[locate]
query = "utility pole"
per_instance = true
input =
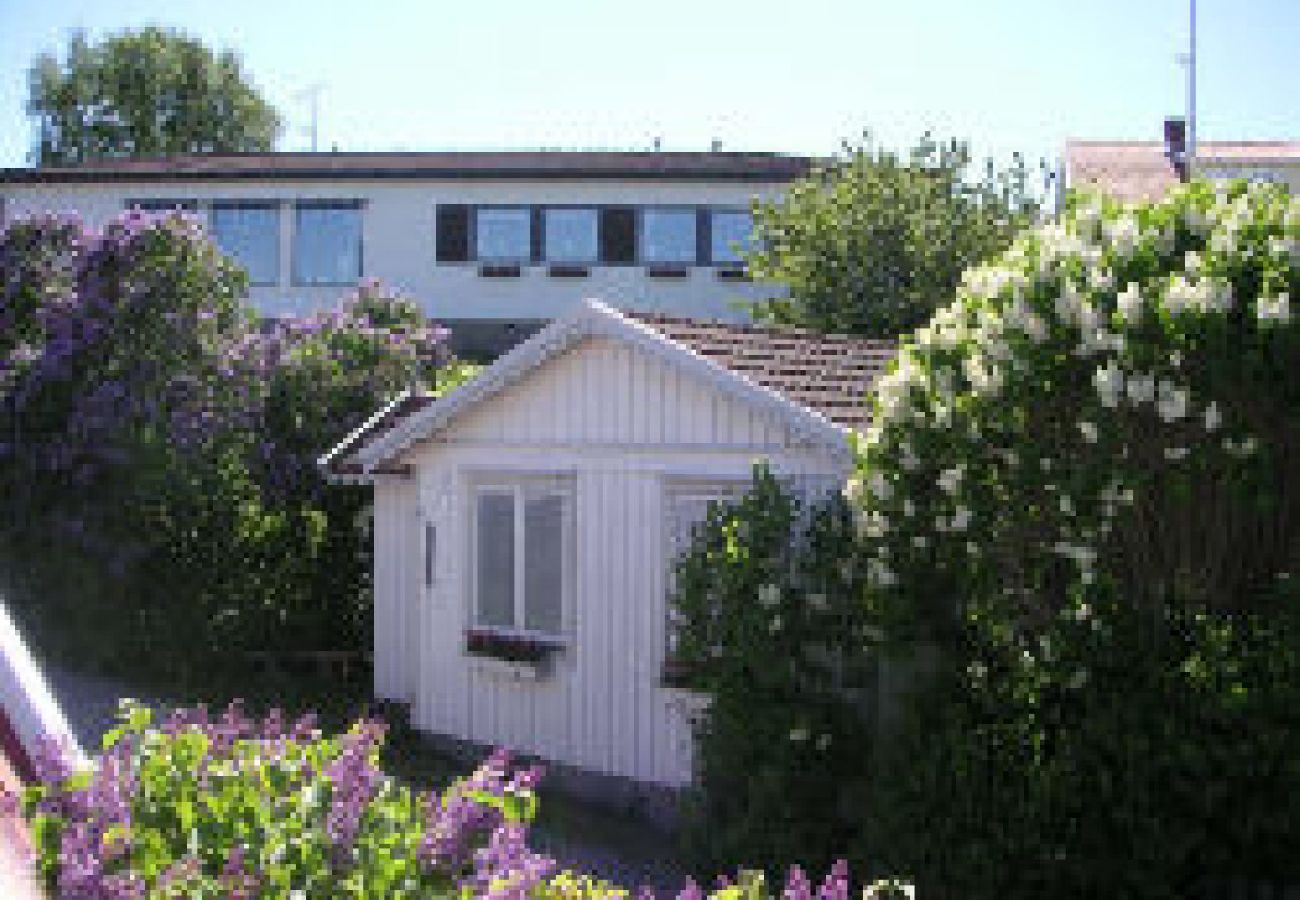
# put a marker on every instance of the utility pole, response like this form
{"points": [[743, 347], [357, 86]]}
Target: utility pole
{"points": [[1191, 91]]}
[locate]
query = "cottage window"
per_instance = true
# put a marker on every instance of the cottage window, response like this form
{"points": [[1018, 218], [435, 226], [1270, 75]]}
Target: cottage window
{"points": [[250, 233], [732, 234], [668, 236], [327, 243], [521, 541]]}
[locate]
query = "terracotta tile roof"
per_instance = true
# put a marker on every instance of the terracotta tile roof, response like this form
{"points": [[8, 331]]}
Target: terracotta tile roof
{"points": [[517, 165], [1126, 171], [829, 374], [1140, 170]]}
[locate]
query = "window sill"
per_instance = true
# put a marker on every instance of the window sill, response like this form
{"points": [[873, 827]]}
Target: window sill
{"points": [[499, 270], [732, 273], [569, 270], [326, 284], [667, 272]]}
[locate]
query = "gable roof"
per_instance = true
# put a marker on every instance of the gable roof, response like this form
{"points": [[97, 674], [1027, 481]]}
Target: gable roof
{"points": [[1141, 170], [449, 165], [815, 384]]}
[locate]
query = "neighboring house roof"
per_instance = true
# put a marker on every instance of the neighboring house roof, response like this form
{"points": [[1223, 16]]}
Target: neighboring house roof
{"points": [[1141, 170], [816, 384], [513, 165]]}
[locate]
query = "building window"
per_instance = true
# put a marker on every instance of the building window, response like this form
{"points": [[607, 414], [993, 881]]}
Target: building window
{"points": [[569, 235], [668, 236], [521, 548], [327, 243], [732, 235], [503, 234], [250, 233]]}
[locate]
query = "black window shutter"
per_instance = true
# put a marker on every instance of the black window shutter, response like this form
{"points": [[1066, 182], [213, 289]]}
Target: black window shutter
{"points": [[703, 238], [453, 233], [618, 234], [538, 223]]}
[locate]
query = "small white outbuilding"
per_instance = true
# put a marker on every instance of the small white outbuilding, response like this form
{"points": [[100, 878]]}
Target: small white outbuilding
{"points": [[525, 523]]}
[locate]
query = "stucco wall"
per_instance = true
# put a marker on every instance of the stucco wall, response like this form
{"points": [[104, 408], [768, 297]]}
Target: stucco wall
{"points": [[398, 241]]}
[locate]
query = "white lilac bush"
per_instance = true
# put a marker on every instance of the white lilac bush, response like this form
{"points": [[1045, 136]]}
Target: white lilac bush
{"points": [[1081, 485], [1117, 396]]}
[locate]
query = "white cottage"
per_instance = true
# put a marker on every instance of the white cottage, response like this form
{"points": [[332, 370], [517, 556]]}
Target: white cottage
{"points": [[525, 522]]}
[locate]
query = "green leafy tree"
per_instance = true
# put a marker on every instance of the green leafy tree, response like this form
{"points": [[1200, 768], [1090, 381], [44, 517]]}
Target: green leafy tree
{"points": [[876, 242], [145, 93]]}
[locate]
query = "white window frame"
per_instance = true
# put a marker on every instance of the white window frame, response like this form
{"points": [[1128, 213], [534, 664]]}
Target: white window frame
{"points": [[520, 488]]}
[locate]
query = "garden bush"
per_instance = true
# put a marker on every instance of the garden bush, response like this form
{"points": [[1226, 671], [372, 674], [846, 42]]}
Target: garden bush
{"points": [[197, 806], [159, 446], [1080, 483], [770, 624]]}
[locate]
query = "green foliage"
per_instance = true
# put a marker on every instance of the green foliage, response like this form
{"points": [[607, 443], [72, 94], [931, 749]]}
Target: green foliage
{"points": [[1114, 753], [150, 92], [771, 626], [1079, 484], [160, 443], [875, 242]]}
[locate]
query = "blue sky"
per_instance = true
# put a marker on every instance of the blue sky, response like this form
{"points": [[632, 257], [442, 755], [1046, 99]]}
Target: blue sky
{"points": [[788, 76]]}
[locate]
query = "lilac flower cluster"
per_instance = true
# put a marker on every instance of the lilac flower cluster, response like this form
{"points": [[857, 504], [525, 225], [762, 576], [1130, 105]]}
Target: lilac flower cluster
{"points": [[102, 830]]}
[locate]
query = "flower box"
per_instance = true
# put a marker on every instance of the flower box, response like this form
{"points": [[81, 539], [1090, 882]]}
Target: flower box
{"points": [[515, 648]]}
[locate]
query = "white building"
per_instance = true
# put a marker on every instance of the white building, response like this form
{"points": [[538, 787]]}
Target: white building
{"points": [[525, 523], [491, 244]]}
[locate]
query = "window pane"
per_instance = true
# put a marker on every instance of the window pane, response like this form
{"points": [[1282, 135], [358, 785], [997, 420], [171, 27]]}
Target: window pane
{"points": [[733, 234], [504, 234], [250, 234], [570, 235], [327, 245], [668, 236], [543, 562], [496, 560]]}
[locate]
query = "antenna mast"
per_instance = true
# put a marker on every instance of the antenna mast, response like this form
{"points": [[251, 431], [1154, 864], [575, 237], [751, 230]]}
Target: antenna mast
{"points": [[312, 93], [1191, 91]]}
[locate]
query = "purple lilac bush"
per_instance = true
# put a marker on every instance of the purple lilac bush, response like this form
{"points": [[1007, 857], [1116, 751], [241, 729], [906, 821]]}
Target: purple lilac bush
{"points": [[229, 806], [158, 442]]}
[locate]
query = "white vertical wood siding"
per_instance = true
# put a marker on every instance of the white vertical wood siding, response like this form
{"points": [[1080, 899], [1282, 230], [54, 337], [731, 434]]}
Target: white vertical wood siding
{"points": [[624, 426]]}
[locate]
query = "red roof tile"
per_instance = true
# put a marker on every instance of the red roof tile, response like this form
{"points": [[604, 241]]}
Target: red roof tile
{"points": [[829, 374]]}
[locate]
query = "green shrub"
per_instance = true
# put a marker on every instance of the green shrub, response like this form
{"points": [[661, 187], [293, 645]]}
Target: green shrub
{"points": [[770, 622]]}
